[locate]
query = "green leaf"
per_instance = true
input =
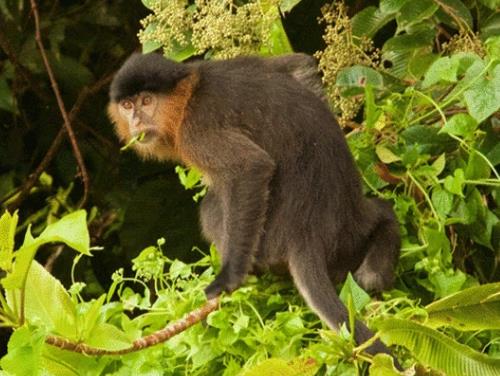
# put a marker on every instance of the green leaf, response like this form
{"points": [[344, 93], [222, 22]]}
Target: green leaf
{"points": [[109, 337], [407, 42], [414, 12], [443, 69], [287, 5], [24, 355], [437, 350], [442, 200], [391, 6], [477, 168], [386, 155], [439, 164], [59, 312], [359, 76], [71, 230], [462, 125], [278, 43], [150, 45], [455, 183], [493, 47], [281, 367], [91, 316], [492, 4], [483, 97], [383, 365], [368, 21], [359, 296], [6, 97], [460, 12], [8, 225], [476, 308], [491, 26]]}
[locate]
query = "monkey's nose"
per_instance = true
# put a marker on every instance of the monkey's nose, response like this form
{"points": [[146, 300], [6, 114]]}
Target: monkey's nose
{"points": [[136, 121]]}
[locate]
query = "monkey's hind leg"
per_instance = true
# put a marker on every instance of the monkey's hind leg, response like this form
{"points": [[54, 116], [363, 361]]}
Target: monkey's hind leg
{"points": [[310, 275], [376, 272]]}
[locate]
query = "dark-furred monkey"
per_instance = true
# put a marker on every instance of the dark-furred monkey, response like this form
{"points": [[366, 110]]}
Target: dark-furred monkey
{"points": [[283, 189]]}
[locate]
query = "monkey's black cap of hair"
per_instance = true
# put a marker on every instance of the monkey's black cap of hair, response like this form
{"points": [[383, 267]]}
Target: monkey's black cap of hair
{"points": [[151, 72]]}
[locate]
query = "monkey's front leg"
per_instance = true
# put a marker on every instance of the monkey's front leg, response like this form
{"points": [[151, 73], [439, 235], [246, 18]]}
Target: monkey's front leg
{"points": [[244, 202]]}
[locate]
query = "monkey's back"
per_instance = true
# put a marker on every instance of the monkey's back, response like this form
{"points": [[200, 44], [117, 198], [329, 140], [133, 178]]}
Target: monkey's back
{"points": [[315, 198]]}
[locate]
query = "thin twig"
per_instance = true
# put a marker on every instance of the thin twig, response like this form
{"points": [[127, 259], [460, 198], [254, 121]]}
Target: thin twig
{"points": [[85, 93], [160, 336], [60, 103]]}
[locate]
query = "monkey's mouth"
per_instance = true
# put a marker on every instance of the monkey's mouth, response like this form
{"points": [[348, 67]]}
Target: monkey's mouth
{"points": [[145, 136]]}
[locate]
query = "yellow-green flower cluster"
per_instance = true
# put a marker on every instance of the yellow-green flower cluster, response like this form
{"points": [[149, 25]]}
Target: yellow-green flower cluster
{"points": [[342, 50], [219, 27]]}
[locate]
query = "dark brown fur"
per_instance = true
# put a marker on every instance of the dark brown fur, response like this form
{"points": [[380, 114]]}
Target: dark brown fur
{"points": [[283, 189]]}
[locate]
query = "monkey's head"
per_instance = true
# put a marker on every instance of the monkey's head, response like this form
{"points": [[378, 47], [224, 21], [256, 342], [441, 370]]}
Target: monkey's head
{"points": [[148, 96]]}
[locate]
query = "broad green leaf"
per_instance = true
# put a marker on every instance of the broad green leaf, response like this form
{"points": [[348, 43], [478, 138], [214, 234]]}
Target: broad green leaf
{"points": [[455, 183], [372, 112], [149, 3], [47, 301], [282, 367], [491, 26], [150, 45], [91, 316], [476, 308], [359, 296], [493, 47], [437, 350], [442, 200], [462, 125], [8, 224], [460, 12], [477, 168], [386, 155], [24, 355], [407, 42], [494, 155], [483, 97], [391, 6], [71, 230], [6, 97], [492, 4], [288, 5], [369, 21], [414, 12], [278, 43], [439, 164], [383, 365], [109, 337], [359, 76], [443, 69], [446, 283]]}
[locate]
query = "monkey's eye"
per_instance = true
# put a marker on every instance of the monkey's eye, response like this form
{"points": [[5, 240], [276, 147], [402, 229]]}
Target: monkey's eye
{"points": [[127, 104], [147, 100]]}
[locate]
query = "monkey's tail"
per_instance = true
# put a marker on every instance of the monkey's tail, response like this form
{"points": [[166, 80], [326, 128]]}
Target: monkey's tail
{"points": [[313, 282]]}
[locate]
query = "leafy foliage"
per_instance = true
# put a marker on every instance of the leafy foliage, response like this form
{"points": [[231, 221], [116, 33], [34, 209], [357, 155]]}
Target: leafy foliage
{"points": [[416, 86]]}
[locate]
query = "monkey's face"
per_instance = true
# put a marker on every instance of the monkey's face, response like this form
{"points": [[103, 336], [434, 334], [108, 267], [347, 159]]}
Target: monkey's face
{"points": [[138, 112], [142, 117]]}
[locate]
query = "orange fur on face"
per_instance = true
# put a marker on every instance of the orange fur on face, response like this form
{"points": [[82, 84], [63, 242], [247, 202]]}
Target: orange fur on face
{"points": [[168, 119]]}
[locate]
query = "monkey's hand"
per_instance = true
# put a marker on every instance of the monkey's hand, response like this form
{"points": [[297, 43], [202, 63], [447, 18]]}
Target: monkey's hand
{"points": [[224, 282]]}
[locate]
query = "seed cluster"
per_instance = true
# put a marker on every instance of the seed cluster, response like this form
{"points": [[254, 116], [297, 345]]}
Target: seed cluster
{"points": [[343, 50], [221, 28]]}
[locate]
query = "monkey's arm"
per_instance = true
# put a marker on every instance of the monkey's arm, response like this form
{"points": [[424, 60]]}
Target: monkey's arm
{"points": [[240, 172]]}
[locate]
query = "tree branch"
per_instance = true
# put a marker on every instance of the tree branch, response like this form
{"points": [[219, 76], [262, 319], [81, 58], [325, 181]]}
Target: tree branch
{"points": [[157, 337], [60, 103]]}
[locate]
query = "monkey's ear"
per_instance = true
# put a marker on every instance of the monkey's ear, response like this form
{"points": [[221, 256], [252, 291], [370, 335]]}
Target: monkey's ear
{"points": [[151, 72]]}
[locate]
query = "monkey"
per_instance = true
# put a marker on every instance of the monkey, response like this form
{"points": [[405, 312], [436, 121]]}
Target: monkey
{"points": [[284, 193]]}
